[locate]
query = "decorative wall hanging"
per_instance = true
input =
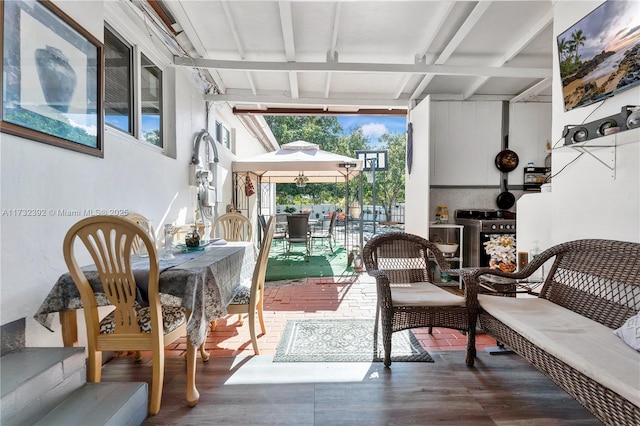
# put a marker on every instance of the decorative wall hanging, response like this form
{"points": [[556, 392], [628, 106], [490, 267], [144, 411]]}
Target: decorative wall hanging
{"points": [[409, 147], [52, 72], [249, 190]]}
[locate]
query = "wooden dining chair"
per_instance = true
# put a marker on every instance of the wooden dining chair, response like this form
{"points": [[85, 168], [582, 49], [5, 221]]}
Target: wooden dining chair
{"points": [[250, 299], [233, 227], [146, 224], [130, 326]]}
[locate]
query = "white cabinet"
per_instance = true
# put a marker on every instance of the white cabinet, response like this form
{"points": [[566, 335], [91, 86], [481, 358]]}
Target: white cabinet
{"points": [[448, 233], [465, 138], [529, 132]]}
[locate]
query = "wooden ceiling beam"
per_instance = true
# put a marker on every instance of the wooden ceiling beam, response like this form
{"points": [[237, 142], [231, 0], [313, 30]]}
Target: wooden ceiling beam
{"points": [[359, 67], [317, 111]]}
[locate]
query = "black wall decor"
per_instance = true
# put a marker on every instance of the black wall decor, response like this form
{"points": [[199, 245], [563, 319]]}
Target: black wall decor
{"points": [[597, 128]]}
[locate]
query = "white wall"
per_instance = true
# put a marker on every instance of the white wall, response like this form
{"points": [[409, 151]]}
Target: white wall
{"points": [[587, 201], [529, 133], [534, 218], [132, 176], [417, 215]]}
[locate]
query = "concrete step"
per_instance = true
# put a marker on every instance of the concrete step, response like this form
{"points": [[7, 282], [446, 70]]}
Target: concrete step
{"points": [[34, 380], [105, 403]]}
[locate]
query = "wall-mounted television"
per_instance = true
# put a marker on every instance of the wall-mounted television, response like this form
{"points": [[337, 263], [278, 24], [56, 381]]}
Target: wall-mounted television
{"points": [[600, 54]]}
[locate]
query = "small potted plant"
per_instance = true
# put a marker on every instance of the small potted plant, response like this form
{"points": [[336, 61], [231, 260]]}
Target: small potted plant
{"points": [[355, 209]]}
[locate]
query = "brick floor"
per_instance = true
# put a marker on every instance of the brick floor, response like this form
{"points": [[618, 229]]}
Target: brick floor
{"points": [[337, 297]]}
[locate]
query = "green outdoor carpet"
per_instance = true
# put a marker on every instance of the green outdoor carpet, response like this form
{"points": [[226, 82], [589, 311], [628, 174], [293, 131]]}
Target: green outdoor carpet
{"points": [[322, 263]]}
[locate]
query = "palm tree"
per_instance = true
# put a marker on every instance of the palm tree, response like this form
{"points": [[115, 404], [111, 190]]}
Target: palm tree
{"points": [[563, 49], [578, 39]]}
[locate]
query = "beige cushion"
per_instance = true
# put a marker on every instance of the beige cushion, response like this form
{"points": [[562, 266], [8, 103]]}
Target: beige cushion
{"points": [[584, 344], [423, 294], [243, 295], [630, 332], [172, 318]]}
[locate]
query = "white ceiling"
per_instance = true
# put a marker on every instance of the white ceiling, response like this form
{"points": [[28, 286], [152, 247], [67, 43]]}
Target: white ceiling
{"points": [[372, 55]]}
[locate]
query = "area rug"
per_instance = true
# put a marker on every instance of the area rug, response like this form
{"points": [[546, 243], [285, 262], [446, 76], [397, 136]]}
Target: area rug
{"points": [[343, 340], [322, 263]]}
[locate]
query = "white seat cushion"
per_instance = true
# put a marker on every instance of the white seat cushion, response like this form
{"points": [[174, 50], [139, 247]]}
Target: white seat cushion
{"points": [[423, 294], [584, 344], [629, 332], [172, 318]]}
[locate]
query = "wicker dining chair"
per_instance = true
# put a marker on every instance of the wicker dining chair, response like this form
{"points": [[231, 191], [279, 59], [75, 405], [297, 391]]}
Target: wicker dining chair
{"points": [[407, 297], [129, 327]]}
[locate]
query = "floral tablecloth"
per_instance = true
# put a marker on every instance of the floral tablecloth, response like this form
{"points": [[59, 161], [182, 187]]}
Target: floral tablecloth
{"points": [[203, 282]]}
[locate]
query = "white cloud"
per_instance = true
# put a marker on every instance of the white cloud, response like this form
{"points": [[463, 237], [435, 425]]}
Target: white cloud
{"points": [[91, 129], [374, 130]]}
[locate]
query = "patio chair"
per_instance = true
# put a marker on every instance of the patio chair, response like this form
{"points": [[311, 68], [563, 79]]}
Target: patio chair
{"points": [[298, 231], [233, 227], [281, 227], [400, 263], [279, 233], [129, 327], [249, 299], [325, 235]]}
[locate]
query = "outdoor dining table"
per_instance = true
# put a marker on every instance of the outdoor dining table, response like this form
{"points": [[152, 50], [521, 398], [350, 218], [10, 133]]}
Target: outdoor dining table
{"points": [[204, 282]]}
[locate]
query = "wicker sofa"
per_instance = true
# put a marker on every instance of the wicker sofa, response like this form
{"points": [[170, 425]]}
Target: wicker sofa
{"points": [[567, 332]]}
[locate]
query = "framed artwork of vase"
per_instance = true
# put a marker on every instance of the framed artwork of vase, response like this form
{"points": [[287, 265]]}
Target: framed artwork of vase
{"points": [[52, 77]]}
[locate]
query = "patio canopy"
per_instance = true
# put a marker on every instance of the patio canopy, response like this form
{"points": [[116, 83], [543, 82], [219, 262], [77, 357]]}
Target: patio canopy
{"points": [[284, 165]]}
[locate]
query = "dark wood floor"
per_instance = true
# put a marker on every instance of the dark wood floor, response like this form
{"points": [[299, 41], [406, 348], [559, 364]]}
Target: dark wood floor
{"points": [[499, 390]]}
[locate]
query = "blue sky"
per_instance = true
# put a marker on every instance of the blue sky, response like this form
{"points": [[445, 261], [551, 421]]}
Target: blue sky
{"points": [[374, 126]]}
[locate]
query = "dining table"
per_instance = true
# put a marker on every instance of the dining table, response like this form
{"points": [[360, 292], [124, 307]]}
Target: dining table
{"points": [[203, 281]]}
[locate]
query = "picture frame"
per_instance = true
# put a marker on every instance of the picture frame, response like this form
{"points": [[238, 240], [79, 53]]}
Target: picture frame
{"points": [[52, 78]]}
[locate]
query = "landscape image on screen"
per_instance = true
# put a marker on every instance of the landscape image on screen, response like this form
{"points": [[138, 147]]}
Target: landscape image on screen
{"points": [[600, 55]]}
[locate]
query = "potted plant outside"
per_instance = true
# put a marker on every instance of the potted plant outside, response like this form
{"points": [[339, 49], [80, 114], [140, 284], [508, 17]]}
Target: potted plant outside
{"points": [[355, 209]]}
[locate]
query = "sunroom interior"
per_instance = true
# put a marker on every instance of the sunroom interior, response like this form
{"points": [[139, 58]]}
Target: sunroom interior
{"points": [[175, 68]]}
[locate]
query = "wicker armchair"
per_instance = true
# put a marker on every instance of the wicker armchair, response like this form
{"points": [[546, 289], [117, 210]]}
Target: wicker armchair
{"points": [[406, 296]]}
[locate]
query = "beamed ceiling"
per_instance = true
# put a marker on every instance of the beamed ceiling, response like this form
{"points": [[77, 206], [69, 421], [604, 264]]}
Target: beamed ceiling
{"points": [[363, 56]]}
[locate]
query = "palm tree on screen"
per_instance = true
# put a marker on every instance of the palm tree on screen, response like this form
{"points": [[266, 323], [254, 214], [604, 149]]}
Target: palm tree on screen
{"points": [[577, 39]]}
